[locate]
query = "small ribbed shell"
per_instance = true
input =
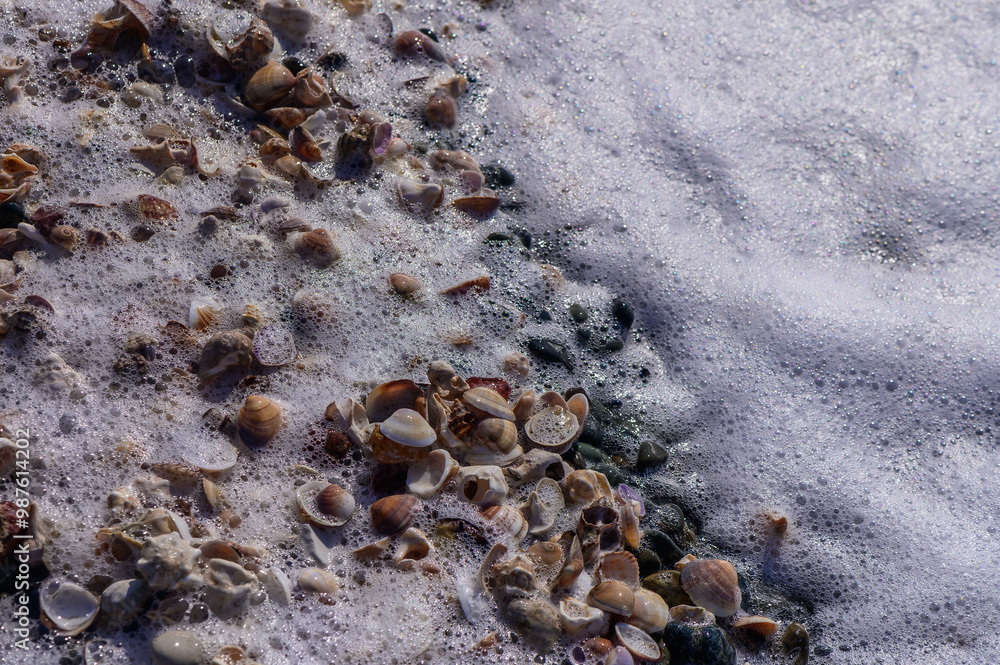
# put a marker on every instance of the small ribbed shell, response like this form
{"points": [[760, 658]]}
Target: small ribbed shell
{"points": [[317, 580], [393, 514], [269, 84], [388, 398], [544, 506], [508, 520], [612, 596], [553, 428], [497, 434], [428, 476], [325, 504], [407, 427], [712, 584], [204, 312], [620, 566], [637, 641], [259, 420], [580, 620], [650, 612], [485, 402]]}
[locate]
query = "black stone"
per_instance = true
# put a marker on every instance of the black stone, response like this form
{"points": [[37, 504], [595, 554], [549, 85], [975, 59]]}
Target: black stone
{"points": [[294, 65], [11, 214], [744, 586], [649, 563], [670, 519], [525, 238], [550, 351], [614, 474], [702, 645], [650, 454], [497, 236], [590, 453], [155, 71], [578, 312], [332, 60], [623, 313], [184, 69], [430, 33], [592, 433], [498, 177], [583, 334], [664, 546], [544, 315]]}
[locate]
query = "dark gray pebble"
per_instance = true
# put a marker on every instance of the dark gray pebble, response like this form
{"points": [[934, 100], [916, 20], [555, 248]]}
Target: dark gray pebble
{"points": [[553, 352], [592, 433], [623, 312], [11, 214], [614, 474], [497, 176], [591, 454], [578, 312], [704, 645], [649, 563], [155, 71], [664, 546], [184, 70], [650, 454]]}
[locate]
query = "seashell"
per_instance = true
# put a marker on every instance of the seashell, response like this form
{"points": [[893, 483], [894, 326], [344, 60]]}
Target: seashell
{"points": [[620, 566], [481, 485], [441, 110], [315, 246], [324, 504], [484, 402], [546, 553], [487, 577], [373, 552], [580, 620], [317, 580], [619, 656], [387, 451], [218, 549], [428, 476], [404, 284], [535, 465], [67, 607], [222, 351], [443, 376], [508, 521], [524, 406], [544, 506], [481, 204], [552, 398], [712, 584], [553, 428], [691, 615], [288, 16], [629, 525], [795, 640], [393, 513], [407, 427], [585, 485], [277, 585], [496, 434], [388, 398], [518, 363], [268, 85], [685, 560], [229, 588], [258, 420], [177, 647], [414, 546], [353, 158], [274, 148], [599, 530], [480, 455], [303, 145], [123, 602], [65, 236], [476, 285], [757, 624], [351, 417], [572, 566], [412, 44], [536, 620], [637, 641], [247, 49], [152, 208], [181, 477], [310, 89], [579, 406], [203, 313], [500, 386], [286, 117], [419, 196], [649, 612], [166, 562], [612, 596]]}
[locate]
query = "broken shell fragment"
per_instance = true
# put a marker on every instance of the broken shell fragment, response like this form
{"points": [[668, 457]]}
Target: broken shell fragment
{"points": [[419, 196], [482, 485], [393, 514], [428, 476], [580, 620], [637, 641], [441, 110], [712, 584], [412, 44], [481, 204], [373, 552], [325, 504], [125, 601], [259, 420], [544, 506], [67, 607], [413, 546], [572, 567], [476, 285], [612, 596]]}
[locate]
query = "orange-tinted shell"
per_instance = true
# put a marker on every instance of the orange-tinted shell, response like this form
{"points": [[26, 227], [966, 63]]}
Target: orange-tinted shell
{"points": [[259, 420], [387, 451], [612, 596], [393, 513], [712, 584], [269, 84]]}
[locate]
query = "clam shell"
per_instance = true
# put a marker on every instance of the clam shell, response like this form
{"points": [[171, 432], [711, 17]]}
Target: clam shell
{"points": [[496, 434], [650, 612], [620, 566], [637, 641], [509, 521], [175, 647], [428, 476], [393, 513], [268, 85], [413, 546], [483, 204], [317, 580], [481, 455], [630, 526], [481, 485], [553, 428], [612, 596], [544, 506], [580, 620], [389, 397], [259, 420], [485, 403], [68, 607], [315, 246], [222, 351], [372, 552], [524, 406], [618, 656], [203, 314], [712, 584], [325, 504], [408, 428], [419, 196], [387, 451], [757, 624]]}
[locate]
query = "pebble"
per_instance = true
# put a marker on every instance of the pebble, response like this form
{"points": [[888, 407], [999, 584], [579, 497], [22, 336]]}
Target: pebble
{"points": [[664, 546], [648, 562], [184, 69], [578, 312], [11, 214], [274, 203], [667, 584], [704, 645], [623, 312], [178, 647], [614, 474], [155, 71], [71, 95], [551, 351], [497, 176], [591, 454], [650, 454]]}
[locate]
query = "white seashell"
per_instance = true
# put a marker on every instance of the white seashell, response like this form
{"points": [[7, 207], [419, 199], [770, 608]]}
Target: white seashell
{"points": [[324, 504], [650, 611], [443, 376], [428, 476], [637, 641], [277, 585], [544, 506], [167, 561], [203, 314], [177, 647], [485, 402], [517, 362], [619, 656], [317, 580], [68, 607], [481, 485], [287, 16], [553, 428], [580, 620], [413, 546], [420, 196], [313, 544], [475, 604], [351, 417], [537, 464], [407, 427]]}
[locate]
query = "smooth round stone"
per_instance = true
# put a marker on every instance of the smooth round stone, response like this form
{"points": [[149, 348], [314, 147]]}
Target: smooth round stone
{"points": [[155, 71], [664, 546], [623, 313], [671, 519], [648, 562], [578, 312], [592, 433], [184, 69], [591, 454], [178, 647], [614, 474], [650, 454], [497, 176], [667, 584], [704, 645], [11, 214]]}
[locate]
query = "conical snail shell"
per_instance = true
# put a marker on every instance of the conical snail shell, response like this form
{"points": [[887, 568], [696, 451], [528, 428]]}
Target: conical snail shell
{"points": [[269, 84], [259, 420], [712, 584], [393, 513]]}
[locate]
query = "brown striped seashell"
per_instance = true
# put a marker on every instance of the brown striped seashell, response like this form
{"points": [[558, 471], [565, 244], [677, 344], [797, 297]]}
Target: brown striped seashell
{"points": [[311, 90], [315, 246], [373, 552], [414, 546], [581, 620], [712, 584], [304, 146], [387, 451], [429, 476], [496, 434], [508, 521], [404, 284], [481, 204], [585, 485], [612, 596], [268, 85], [393, 513], [546, 553], [619, 566], [481, 485], [65, 236], [757, 624], [204, 312], [637, 641], [485, 403], [258, 420], [650, 612], [389, 397], [553, 428], [325, 504], [572, 566]]}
